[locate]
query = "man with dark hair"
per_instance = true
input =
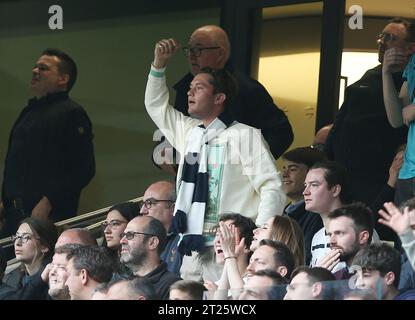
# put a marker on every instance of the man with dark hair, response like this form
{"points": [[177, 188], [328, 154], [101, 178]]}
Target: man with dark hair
{"points": [[123, 289], [187, 290], [350, 229], [361, 138], [142, 242], [87, 267], [232, 241], [50, 154], [310, 284], [380, 271], [296, 164], [272, 255], [226, 167], [402, 221], [263, 284], [326, 189]]}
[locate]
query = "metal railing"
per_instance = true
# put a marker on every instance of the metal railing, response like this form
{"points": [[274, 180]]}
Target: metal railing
{"points": [[91, 220]]}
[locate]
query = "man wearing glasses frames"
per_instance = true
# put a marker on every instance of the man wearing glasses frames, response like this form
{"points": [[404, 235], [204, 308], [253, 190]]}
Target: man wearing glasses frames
{"points": [[142, 242], [400, 107], [159, 200], [361, 139], [209, 47]]}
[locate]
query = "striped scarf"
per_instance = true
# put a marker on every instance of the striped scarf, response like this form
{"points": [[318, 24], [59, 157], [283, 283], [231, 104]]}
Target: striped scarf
{"points": [[194, 188]]}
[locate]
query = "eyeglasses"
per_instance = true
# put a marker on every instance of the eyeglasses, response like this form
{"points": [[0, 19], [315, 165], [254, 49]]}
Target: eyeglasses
{"points": [[386, 37], [131, 234], [149, 203], [196, 51], [23, 238], [113, 224]]}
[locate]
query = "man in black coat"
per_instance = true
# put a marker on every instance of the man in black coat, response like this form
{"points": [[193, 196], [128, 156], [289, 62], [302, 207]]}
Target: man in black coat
{"points": [[209, 46], [362, 139], [50, 155]]}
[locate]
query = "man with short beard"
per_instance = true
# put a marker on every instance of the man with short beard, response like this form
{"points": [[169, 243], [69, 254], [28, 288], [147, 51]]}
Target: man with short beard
{"points": [[142, 242], [350, 229]]}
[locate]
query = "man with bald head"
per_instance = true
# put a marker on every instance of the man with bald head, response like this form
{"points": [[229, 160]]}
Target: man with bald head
{"points": [[158, 202], [80, 236], [142, 242], [362, 139], [209, 47]]}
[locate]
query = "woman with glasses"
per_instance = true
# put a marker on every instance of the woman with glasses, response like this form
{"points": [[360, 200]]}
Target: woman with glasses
{"points": [[115, 223], [34, 244]]}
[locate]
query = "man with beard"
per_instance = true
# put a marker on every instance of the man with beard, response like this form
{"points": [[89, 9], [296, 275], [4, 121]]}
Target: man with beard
{"points": [[142, 242], [350, 229]]}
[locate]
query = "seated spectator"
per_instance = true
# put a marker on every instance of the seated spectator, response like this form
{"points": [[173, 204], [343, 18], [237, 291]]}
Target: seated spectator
{"points": [[115, 222], [142, 242], [273, 255], [122, 289], [232, 241], [380, 270], [57, 270], [402, 222], [5, 289], [158, 202], [264, 285], [350, 229], [76, 236], [56, 273], [310, 284], [34, 242], [387, 194], [296, 164], [87, 267], [285, 230], [187, 290]]}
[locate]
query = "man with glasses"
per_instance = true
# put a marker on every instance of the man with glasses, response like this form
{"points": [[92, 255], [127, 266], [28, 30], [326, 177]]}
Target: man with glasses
{"points": [[362, 139], [209, 47], [142, 242], [159, 199], [400, 107]]}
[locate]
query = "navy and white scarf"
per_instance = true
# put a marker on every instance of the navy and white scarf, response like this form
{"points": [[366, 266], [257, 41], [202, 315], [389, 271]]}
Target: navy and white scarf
{"points": [[193, 192]]}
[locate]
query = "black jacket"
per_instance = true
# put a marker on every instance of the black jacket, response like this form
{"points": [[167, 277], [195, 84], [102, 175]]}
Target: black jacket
{"points": [[253, 106], [162, 279], [50, 153], [362, 138]]}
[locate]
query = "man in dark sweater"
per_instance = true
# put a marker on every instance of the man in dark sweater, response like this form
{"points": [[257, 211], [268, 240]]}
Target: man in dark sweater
{"points": [[142, 242], [209, 46], [50, 155], [296, 164]]}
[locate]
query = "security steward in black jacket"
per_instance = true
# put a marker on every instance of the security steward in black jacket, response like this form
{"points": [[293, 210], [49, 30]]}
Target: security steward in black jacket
{"points": [[50, 155]]}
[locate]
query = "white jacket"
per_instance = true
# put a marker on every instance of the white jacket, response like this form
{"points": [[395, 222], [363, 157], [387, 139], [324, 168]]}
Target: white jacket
{"points": [[249, 184]]}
